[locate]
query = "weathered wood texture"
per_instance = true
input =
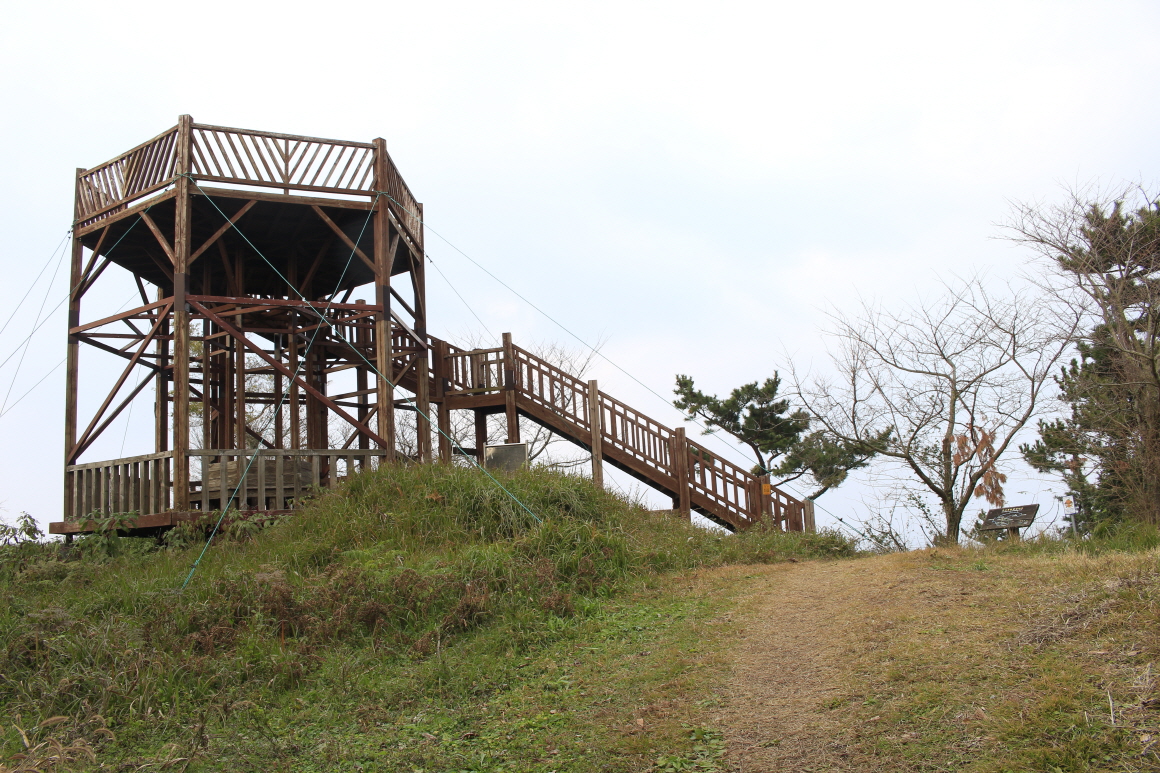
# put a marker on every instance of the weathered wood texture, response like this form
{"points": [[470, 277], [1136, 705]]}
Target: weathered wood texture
{"points": [[254, 276], [697, 478]]}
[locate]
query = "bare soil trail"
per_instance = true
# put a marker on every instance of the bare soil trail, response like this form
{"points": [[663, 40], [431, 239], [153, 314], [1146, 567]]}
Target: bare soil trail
{"points": [[797, 700]]}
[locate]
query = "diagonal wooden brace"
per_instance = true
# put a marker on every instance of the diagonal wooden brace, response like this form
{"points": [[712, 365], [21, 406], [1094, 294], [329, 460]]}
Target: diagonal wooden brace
{"points": [[285, 371]]}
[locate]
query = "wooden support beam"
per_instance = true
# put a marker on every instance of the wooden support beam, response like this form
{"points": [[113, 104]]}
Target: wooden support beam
{"points": [[509, 384], [382, 266], [87, 437], [480, 435], [165, 245], [594, 425], [218, 234], [180, 256], [75, 329], [72, 357], [305, 384], [440, 371], [161, 386], [680, 464], [342, 235]]}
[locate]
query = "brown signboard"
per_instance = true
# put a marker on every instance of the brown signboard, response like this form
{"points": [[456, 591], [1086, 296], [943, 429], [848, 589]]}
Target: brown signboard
{"points": [[1009, 517]]}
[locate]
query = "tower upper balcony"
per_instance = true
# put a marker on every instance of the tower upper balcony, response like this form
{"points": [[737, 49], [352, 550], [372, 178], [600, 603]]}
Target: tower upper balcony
{"points": [[302, 202]]}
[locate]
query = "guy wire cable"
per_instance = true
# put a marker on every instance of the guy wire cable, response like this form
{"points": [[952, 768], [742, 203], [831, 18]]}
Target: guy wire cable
{"points": [[273, 414], [370, 364], [66, 297], [460, 297], [72, 290], [706, 430], [34, 281], [32, 389], [318, 329], [28, 341]]}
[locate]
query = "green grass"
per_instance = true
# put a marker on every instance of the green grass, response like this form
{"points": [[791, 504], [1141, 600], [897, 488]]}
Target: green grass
{"points": [[416, 619]]}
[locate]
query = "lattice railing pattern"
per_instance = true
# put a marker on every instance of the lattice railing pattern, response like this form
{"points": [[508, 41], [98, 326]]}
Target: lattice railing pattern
{"points": [[631, 431], [282, 161], [714, 483], [242, 156], [721, 481], [547, 385], [149, 166], [474, 370], [404, 204]]}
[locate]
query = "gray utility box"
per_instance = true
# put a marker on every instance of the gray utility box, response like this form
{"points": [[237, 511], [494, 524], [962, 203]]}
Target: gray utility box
{"points": [[507, 457]]}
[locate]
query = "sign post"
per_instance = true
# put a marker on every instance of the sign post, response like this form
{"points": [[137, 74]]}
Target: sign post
{"points": [[1010, 518]]}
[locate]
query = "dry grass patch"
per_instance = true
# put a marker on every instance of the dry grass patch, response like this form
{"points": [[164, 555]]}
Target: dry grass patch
{"points": [[980, 660]]}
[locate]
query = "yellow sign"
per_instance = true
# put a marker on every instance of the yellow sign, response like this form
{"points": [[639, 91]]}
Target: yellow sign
{"points": [[766, 489]]}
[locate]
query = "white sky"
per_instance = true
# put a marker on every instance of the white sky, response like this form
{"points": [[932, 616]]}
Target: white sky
{"points": [[695, 182]]}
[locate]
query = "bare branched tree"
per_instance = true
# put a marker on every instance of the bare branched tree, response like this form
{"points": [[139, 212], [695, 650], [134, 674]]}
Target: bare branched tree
{"points": [[942, 388]]}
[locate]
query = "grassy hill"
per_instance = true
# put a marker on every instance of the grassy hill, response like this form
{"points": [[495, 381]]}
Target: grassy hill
{"points": [[418, 619]]}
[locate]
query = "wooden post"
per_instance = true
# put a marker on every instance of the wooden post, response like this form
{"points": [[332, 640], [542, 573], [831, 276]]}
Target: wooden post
{"points": [[384, 261], [680, 455], [423, 406], [510, 386], [181, 251], [596, 428], [480, 435], [762, 488], [72, 359], [440, 373], [240, 390], [422, 367], [808, 516], [279, 426], [361, 372]]}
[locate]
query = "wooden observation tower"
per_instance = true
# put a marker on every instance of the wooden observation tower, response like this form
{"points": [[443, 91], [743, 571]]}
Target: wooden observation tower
{"points": [[282, 326]]}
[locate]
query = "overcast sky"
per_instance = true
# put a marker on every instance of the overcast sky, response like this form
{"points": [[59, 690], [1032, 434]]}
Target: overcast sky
{"points": [[694, 183]]}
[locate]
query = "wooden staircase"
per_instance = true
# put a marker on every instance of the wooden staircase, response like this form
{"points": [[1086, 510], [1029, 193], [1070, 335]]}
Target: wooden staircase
{"points": [[515, 382]]}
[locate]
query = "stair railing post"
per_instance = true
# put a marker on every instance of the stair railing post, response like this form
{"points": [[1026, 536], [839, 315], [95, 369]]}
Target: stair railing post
{"points": [[680, 456], [808, 516], [510, 386], [597, 430], [762, 490]]}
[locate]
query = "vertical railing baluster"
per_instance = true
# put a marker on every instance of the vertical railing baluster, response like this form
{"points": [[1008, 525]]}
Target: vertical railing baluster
{"points": [[261, 462], [205, 484], [280, 480], [223, 493]]}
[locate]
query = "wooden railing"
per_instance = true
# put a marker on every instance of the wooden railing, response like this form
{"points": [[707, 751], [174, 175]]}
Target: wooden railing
{"points": [[723, 483], [646, 440], [404, 204], [275, 480], [221, 154], [245, 157], [550, 387], [474, 370], [716, 486], [105, 189], [140, 484]]}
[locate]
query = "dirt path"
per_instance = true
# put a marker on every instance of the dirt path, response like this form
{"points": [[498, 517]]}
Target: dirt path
{"points": [[791, 664]]}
